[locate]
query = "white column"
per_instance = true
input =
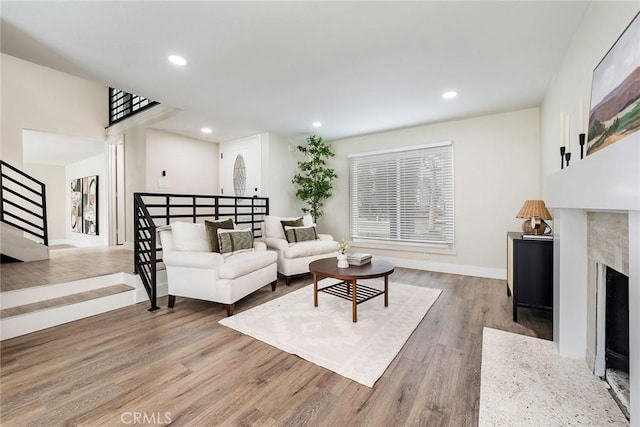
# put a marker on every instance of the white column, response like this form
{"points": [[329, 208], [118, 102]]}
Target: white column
{"points": [[570, 282], [634, 316]]}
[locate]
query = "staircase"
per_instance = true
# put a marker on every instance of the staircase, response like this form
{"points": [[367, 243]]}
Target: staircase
{"points": [[14, 245], [24, 239], [23, 215], [32, 309]]}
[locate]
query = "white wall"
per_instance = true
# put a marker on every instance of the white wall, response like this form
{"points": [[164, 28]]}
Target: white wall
{"points": [[40, 98], [191, 164], [496, 161], [278, 167], [54, 178], [602, 24], [135, 167], [92, 166]]}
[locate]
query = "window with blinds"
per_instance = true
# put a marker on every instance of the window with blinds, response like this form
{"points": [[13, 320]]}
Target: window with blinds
{"points": [[403, 195]]}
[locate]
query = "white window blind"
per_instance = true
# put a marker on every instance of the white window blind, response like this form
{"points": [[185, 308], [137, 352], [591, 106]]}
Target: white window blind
{"points": [[403, 195]]}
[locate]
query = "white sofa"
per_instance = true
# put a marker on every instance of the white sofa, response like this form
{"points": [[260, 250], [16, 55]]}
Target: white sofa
{"points": [[294, 258], [211, 276]]}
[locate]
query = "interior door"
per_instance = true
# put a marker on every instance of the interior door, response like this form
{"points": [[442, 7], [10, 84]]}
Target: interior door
{"points": [[240, 167]]}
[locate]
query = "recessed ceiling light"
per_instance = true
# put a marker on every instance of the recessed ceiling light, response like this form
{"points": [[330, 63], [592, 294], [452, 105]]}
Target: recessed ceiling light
{"points": [[206, 130], [316, 124], [450, 94], [177, 60]]}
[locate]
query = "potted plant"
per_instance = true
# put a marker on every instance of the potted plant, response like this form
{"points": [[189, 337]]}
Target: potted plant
{"points": [[314, 178]]}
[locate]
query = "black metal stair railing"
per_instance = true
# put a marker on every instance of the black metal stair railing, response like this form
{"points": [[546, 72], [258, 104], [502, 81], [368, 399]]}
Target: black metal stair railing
{"points": [[23, 202], [152, 210]]}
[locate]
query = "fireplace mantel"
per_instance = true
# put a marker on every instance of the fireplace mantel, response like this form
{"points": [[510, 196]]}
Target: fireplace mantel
{"points": [[608, 180]]}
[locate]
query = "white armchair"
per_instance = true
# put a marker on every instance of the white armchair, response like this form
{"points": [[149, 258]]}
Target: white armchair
{"points": [[195, 272], [294, 258]]}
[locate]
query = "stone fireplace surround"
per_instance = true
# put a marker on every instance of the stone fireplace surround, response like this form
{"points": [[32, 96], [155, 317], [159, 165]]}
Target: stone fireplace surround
{"points": [[591, 201]]}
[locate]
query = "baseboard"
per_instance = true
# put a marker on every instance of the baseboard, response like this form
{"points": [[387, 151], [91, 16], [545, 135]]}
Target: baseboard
{"points": [[442, 267]]}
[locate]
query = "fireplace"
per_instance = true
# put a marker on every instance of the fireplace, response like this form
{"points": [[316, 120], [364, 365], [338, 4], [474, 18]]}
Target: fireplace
{"points": [[595, 205], [612, 333], [616, 321]]}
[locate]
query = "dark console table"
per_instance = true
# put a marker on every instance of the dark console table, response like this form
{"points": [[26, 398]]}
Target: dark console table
{"points": [[529, 273]]}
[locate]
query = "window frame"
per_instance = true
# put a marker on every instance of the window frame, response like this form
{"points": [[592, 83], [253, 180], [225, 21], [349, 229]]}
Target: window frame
{"points": [[410, 245]]}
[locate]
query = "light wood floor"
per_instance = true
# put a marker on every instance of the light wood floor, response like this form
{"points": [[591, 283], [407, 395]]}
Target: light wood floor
{"points": [[66, 265], [180, 364]]}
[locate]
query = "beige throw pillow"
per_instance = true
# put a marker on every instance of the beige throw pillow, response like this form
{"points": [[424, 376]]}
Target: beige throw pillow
{"points": [[234, 241], [300, 234]]}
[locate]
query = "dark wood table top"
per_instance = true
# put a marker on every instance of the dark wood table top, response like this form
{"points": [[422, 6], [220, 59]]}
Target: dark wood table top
{"points": [[329, 267]]}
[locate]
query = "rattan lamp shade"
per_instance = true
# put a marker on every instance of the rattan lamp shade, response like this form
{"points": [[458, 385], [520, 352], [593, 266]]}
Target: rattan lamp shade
{"points": [[534, 209], [534, 212]]}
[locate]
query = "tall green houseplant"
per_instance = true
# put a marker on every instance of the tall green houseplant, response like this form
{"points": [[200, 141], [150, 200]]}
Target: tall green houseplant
{"points": [[314, 178]]}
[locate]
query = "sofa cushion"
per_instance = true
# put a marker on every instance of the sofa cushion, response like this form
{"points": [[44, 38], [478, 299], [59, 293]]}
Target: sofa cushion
{"points": [[312, 247], [243, 263], [300, 234], [234, 241], [205, 260], [212, 231], [188, 236]]}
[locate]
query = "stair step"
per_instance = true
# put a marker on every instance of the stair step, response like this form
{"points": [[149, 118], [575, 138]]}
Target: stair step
{"points": [[65, 300]]}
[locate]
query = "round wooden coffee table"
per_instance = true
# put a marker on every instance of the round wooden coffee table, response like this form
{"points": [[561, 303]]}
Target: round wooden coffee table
{"points": [[348, 288]]}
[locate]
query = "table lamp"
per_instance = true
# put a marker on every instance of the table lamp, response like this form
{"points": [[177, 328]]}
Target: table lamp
{"points": [[534, 212]]}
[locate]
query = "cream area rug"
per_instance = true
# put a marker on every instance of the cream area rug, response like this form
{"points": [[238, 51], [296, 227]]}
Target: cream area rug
{"points": [[525, 382], [326, 336]]}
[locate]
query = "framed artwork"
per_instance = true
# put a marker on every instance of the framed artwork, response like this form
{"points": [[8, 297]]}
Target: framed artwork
{"points": [[76, 205], [615, 92], [90, 205], [84, 205]]}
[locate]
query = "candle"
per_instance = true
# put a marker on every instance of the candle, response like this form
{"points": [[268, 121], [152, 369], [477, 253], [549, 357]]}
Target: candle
{"points": [[567, 133], [561, 129], [581, 109]]}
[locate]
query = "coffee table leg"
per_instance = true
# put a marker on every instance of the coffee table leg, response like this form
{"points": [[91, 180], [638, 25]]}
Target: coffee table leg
{"points": [[315, 290], [354, 299], [386, 291]]}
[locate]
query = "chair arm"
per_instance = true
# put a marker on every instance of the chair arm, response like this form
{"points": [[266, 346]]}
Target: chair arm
{"points": [[276, 243], [259, 245], [325, 237], [192, 259]]}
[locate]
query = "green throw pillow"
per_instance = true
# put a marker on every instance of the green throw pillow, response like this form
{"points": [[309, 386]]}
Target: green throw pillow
{"points": [[298, 222], [300, 234], [212, 232], [232, 241]]}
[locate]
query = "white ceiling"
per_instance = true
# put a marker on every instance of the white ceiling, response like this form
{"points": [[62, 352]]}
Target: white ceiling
{"points": [[358, 67]]}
